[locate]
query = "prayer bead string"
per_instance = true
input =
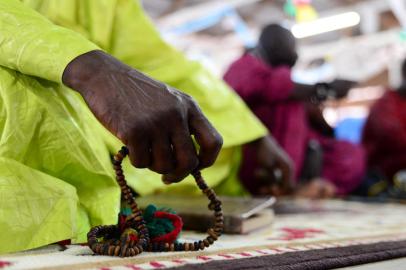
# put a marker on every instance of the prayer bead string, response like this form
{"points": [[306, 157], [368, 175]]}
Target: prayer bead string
{"points": [[114, 244]]}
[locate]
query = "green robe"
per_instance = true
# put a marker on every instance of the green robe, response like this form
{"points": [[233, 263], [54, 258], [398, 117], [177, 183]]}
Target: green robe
{"points": [[56, 179]]}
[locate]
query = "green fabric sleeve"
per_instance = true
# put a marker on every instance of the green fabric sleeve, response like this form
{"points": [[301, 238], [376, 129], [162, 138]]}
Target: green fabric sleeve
{"points": [[121, 28], [32, 45]]}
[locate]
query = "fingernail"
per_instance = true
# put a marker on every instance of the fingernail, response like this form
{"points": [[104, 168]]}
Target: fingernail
{"points": [[166, 181]]}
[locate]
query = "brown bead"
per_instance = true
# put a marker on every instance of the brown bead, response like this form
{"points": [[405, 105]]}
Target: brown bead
{"points": [[138, 218], [172, 247], [166, 246], [210, 239], [140, 249], [92, 241], [218, 214], [201, 245], [124, 248], [219, 224], [219, 219], [98, 248], [111, 250], [186, 246], [212, 233], [212, 196], [117, 167], [118, 156], [105, 249], [117, 251], [206, 243], [218, 230], [93, 247], [137, 212]]}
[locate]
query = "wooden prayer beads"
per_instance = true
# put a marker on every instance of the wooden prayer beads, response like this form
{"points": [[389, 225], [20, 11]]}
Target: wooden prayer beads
{"points": [[114, 244]]}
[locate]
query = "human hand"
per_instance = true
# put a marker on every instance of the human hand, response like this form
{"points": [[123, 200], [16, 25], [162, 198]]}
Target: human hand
{"points": [[341, 88], [152, 119], [275, 168], [316, 189]]}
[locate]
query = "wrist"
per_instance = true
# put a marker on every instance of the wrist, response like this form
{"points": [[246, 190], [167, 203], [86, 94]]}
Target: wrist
{"points": [[322, 92], [84, 69]]}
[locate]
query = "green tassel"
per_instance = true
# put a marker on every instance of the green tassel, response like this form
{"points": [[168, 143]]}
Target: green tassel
{"points": [[156, 226]]}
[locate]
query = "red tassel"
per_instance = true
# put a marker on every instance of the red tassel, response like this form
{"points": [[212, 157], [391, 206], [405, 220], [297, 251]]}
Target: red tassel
{"points": [[177, 227]]}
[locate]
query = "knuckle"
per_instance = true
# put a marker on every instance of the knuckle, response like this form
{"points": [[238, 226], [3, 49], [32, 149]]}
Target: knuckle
{"points": [[177, 115], [191, 100], [189, 164], [177, 179], [215, 142], [139, 128], [172, 112], [194, 105], [162, 168], [159, 170], [138, 163], [207, 163]]}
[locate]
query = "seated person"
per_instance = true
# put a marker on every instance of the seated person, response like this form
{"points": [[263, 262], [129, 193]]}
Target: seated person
{"points": [[384, 134], [262, 77], [72, 92]]}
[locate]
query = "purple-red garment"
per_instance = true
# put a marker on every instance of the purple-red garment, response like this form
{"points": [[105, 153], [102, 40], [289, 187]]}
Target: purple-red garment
{"points": [[384, 135], [266, 90]]}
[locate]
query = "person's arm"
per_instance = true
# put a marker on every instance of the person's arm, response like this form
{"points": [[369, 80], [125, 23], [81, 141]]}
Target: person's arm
{"points": [[321, 91], [274, 174], [279, 86], [317, 121], [384, 127], [155, 121], [303, 92]]}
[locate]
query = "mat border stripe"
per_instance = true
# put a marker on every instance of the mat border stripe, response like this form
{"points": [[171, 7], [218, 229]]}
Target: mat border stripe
{"points": [[162, 264]]}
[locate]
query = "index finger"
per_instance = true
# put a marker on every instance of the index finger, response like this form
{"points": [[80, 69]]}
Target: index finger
{"points": [[207, 137], [287, 174]]}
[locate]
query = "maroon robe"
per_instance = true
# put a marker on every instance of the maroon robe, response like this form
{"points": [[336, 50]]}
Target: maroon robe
{"points": [[266, 89]]}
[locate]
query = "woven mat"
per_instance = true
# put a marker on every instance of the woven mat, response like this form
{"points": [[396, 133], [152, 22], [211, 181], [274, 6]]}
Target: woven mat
{"points": [[323, 231]]}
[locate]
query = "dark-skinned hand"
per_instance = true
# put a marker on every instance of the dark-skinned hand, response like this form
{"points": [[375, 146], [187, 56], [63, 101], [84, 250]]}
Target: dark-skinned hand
{"points": [[341, 87], [317, 188], [275, 168], [152, 119]]}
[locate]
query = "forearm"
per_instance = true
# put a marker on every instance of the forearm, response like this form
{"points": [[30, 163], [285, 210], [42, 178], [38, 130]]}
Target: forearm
{"points": [[85, 68], [314, 93], [317, 121], [303, 92]]}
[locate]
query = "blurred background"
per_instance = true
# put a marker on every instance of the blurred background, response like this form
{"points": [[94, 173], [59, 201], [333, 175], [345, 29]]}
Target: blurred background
{"points": [[360, 40]]}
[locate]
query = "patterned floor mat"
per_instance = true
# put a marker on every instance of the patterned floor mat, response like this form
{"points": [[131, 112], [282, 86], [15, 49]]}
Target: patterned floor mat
{"points": [[312, 225]]}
